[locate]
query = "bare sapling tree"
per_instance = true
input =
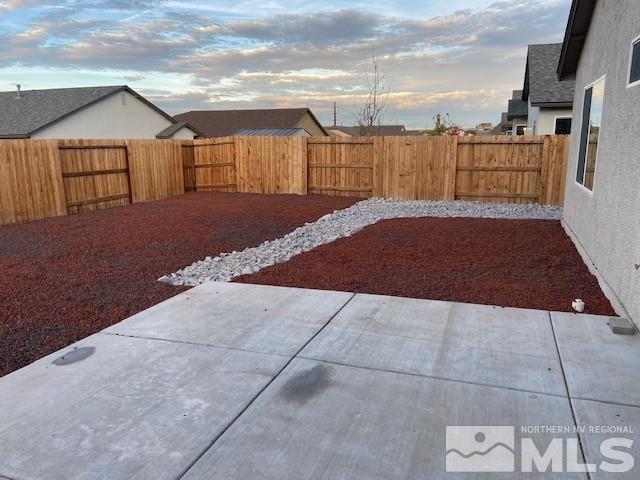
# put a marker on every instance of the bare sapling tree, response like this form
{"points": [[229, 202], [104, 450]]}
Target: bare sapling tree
{"points": [[370, 109]]}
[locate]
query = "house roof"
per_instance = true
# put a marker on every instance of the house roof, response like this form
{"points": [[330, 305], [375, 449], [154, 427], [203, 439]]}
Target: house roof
{"points": [[171, 130], [414, 133], [518, 108], [541, 84], [273, 132], [388, 130], [574, 37], [33, 110], [502, 127], [222, 123]]}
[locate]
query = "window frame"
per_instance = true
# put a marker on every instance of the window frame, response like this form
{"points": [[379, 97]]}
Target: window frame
{"points": [[630, 84], [515, 129], [562, 117], [586, 152]]}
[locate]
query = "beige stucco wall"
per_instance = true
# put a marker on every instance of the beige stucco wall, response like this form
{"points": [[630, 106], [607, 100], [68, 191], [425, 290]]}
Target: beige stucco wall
{"points": [[606, 222], [109, 118], [544, 119], [310, 126], [184, 134]]}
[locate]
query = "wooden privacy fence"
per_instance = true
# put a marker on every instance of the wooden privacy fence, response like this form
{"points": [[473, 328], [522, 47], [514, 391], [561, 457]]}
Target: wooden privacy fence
{"points": [[41, 178], [44, 178]]}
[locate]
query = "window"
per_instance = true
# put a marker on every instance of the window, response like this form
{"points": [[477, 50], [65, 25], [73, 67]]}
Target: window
{"points": [[520, 129], [590, 133], [563, 126], [634, 63]]}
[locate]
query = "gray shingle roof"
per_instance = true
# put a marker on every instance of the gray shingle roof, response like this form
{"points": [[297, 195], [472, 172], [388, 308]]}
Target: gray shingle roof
{"points": [[171, 130], [541, 82], [388, 130], [518, 108], [34, 109], [222, 123]]}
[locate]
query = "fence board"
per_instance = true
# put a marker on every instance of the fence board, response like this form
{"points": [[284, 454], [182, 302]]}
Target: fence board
{"points": [[84, 189], [156, 169], [41, 178], [30, 181], [341, 167], [271, 164], [504, 170], [214, 165]]}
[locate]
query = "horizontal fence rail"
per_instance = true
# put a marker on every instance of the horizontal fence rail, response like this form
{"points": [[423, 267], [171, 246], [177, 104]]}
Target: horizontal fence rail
{"points": [[43, 178]]}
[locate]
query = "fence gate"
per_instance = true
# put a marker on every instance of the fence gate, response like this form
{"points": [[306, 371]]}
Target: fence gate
{"points": [[95, 176], [342, 167]]}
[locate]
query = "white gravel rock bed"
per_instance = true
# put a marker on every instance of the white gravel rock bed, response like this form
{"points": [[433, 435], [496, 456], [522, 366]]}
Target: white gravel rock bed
{"points": [[344, 223]]}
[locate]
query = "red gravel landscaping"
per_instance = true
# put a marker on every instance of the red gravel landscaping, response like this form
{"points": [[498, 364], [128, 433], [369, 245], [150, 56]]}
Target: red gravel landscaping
{"points": [[515, 263], [64, 278]]}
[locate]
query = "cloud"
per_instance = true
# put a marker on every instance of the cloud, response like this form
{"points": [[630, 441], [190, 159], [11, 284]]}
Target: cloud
{"points": [[10, 5], [467, 59]]}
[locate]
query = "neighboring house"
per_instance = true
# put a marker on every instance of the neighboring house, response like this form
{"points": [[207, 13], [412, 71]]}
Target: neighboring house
{"points": [[549, 100], [223, 123], [357, 131], [517, 114], [601, 52], [503, 127], [273, 132], [415, 133], [86, 112], [339, 131], [483, 129]]}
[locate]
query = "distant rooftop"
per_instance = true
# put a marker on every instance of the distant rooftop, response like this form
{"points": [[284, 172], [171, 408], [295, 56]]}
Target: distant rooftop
{"points": [[30, 110], [273, 132], [222, 123], [27, 111], [518, 108], [355, 131], [541, 83]]}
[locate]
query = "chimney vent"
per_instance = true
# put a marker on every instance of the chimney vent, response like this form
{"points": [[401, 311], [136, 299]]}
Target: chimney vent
{"points": [[18, 89]]}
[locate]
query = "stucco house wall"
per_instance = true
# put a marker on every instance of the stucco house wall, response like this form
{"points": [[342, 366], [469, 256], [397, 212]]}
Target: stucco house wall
{"points": [[516, 122], [606, 222], [184, 134], [310, 126], [120, 115], [533, 118], [542, 120]]}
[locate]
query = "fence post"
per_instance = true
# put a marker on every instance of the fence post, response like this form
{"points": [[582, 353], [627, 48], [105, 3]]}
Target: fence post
{"points": [[547, 149], [304, 189], [378, 168], [451, 167], [126, 162]]}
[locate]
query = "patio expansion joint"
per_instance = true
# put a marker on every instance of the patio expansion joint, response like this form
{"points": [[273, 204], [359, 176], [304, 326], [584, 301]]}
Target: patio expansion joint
{"points": [[261, 391], [198, 344], [566, 386], [433, 377], [605, 402]]}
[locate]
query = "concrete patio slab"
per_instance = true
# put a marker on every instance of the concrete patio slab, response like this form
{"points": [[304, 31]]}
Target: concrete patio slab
{"points": [[248, 317], [319, 420], [127, 408], [598, 364], [508, 347], [354, 387], [591, 414]]}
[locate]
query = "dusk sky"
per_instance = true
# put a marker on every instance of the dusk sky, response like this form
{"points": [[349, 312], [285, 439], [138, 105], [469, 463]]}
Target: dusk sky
{"points": [[458, 56]]}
